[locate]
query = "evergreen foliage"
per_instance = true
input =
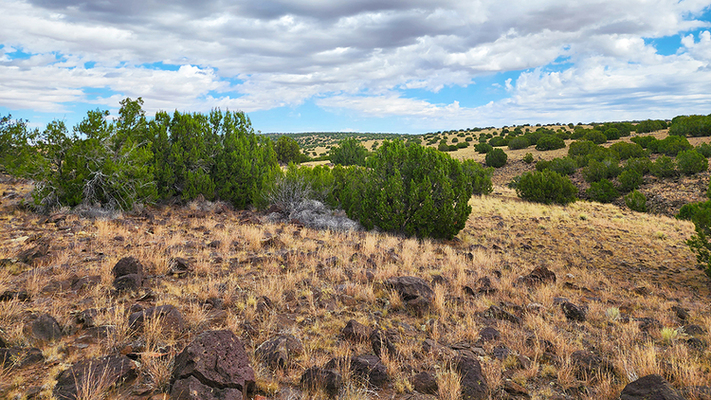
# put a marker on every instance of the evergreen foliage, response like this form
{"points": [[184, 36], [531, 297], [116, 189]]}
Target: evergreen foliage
{"points": [[691, 162], [691, 125], [496, 158], [287, 150], [603, 191], [546, 187], [636, 201], [549, 142], [349, 151]]}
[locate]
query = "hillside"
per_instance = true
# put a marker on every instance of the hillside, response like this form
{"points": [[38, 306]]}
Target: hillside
{"points": [[553, 302]]}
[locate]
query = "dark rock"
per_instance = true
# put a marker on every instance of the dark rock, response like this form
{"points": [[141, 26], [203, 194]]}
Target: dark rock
{"points": [[191, 388], [438, 280], [2, 343], [354, 331], [20, 295], [650, 387], [419, 306], [515, 390], [430, 346], [500, 352], [573, 312], [489, 334], [316, 378], [368, 367], [86, 282], [279, 351], [696, 344], [170, 318], [641, 290], [410, 287], [264, 305], [9, 357], [31, 356], [696, 392], [694, 330], [474, 385], [496, 312], [217, 360], [92, 376], [128, 283], [179, 266], [127, 266], [380, 341], [647, 324], [214, 244], [41, 249], [44, 328], [680, 312], [588, 364], [425, 382], [539, 276]]}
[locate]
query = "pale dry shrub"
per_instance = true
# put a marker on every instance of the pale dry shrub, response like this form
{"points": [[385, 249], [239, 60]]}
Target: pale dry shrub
{"points": [[450, 384]]}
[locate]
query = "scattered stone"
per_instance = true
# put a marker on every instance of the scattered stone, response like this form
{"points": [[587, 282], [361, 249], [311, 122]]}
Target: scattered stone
{"points": [[380, 341], [573, 312], [419, 306], [92, 376], [694, 330], [214, 244], [279, 351], [354, 331], [539, 276], [214, 366], [500, 352], [127, 266], [430, 346], [44, 328], [79, 284], [369, 367], [641, 290], [696, 344], [170, 318], [2, 343], [20, 295], [474, 385], [410, 287], [29, 256], [316, 378], [647, 324], [425, 382], [179, 267], [489, 334], [680, 312], [650, 387], [588, 364], [128, 283], [496, 312], [516, 390]]}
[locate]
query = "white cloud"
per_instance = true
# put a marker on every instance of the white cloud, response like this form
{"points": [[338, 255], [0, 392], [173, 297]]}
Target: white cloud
{"points": [[357, 55]]}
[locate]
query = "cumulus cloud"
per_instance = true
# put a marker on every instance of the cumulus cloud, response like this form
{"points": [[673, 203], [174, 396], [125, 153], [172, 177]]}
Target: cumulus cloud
{"points": [[358, 55]]}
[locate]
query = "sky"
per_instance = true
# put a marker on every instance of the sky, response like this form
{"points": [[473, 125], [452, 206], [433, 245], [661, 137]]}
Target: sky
{"points": [[359, 65]]}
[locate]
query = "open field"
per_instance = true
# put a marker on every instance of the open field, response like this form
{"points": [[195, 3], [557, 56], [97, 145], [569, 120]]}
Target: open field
{"points": [[628, 271]]}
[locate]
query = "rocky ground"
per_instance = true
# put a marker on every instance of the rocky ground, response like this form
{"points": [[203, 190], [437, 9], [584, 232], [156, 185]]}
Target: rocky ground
{"points": [[578, 302]]}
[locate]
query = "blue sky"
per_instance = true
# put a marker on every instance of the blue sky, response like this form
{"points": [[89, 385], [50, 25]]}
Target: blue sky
{"points": [[359, 65]]}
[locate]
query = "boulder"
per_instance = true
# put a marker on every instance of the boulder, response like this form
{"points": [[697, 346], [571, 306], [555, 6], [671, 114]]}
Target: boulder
{"points": [[474, 385], [92, 376], [425, 382], [329, 380], [410, 287], [41, 249], [539, 276], [127, 266], [170, 318], [489, 334], [128, 283], [279, 351], [179, 266], [650, 387], [214, 366], [367, 368], [573, 312], [496, 312], [44, 328], [588, 364], [380, 341], [354, 331]]}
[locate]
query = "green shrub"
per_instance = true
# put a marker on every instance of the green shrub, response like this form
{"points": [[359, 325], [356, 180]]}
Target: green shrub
{"points": [[598, 170], [630, 180], [483, 148], [443, 146], [692, 125], [349, 151], [581, 148], [700, 215], [518, 143], [595, 136], [626, 150], [549, 142], [409, 189], [663, 167], [498, 141], [578, 133], [453, 147], [546, 187], [636, 201], [650, 126], [705, 149], [612, 134], [603, 191], [479, 176], [688, 211], [644, 141], [287, 150], [670, 145], [496, 158], [563, 166], [640, 165], [691, 162], [528, 158]]}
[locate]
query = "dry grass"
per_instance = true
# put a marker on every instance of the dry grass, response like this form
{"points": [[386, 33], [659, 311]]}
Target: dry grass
{"points": [[311, 283]]}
